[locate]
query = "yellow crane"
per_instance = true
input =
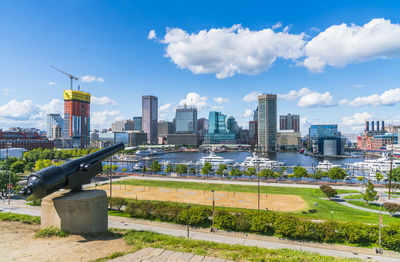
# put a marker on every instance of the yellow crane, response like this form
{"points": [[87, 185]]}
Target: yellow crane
{"points": [[65, 73]]}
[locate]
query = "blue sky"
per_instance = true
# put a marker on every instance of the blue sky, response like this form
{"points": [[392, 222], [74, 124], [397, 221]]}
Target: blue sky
{"points": [[334, 62]]}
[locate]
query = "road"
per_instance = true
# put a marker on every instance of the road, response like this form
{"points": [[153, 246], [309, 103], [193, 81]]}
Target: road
{"points": [[19, 207]]}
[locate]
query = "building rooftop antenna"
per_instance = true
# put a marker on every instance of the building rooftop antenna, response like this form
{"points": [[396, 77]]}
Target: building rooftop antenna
{"points": [[65, 73]]}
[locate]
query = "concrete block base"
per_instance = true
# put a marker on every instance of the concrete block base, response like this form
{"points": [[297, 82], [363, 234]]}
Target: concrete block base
{"points": [[76, 213]]}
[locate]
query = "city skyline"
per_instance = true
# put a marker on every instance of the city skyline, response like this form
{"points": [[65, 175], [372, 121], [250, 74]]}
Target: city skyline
{"points": [[132, 51]]}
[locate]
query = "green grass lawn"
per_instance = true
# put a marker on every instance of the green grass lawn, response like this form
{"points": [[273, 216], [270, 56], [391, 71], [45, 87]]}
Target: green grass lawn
{"points": [[310, 195], [367, 205], [353, 197]]}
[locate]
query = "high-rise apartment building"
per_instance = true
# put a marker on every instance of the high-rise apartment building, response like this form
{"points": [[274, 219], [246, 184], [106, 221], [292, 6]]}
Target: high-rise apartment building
{"points": [[150, 118], [186, 120], [54, 120], [122, 126], [289, 122], [165, 128], [267, 122], [56, 132], [137, 123], [77, 118]]}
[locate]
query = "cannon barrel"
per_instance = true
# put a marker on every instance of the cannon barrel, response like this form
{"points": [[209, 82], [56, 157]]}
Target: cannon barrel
{"points": [[72, 174]]}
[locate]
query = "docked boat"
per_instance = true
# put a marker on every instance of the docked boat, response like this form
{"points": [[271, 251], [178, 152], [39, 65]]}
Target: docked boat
{"points": [[326, 165], [251, 161], [215, 160], [376, 165], [137, 167]]}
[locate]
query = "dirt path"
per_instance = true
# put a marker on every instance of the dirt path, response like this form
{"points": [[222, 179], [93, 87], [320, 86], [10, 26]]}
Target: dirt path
{"points": [[18, 244], [275, 202]]}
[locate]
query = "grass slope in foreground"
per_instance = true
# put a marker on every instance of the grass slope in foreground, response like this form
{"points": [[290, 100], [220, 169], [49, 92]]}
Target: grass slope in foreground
{"points": [[310, 195]]}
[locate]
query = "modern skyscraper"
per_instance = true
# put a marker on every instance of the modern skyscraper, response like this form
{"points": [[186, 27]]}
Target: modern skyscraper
{"points": [[186, 120], [289, 122], [232, 125], [325, 140], [267, 122], [54, 120], [77, 118], [150, 118], [165, 128], [137, 123], [122, 126], [217, 131], [255, 115]]}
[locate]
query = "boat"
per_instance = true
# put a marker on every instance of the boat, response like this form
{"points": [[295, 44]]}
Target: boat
{"points": [[376, 165], [215, 160], [137, 167], [326, 165], [251, 161]]}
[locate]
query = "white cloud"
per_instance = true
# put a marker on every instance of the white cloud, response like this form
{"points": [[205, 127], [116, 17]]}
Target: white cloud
{"points": [[248, 113], [314, 99], [315, 29], [194, 99], [221, 100], [151, 35], [26, 113], [358, 86], [251, 97], [103, 101], [276, 26], [105, 118], [164, 108], [293, 94], [387, 98], [229, 51], [215, 107], [344, 44], [90, 79], [51, 83], [357, 119]]}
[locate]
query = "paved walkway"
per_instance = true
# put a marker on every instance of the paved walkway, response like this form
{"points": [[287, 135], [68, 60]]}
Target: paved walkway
{"points": [[227, 237], [161, 255], [347, 202]]}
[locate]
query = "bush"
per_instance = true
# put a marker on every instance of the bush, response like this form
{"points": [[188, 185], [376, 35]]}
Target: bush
{"points": [[34, 200], [198, 216], [262, 222], [224, 219], [391, 237], [391, 207], [328, 191], [117, 202]]}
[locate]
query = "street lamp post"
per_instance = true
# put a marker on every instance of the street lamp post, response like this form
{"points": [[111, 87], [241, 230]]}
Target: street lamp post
{"points": [[110, 177], [258, 182], [332, 215], [187, 220], [9, 174], [213, 211]]}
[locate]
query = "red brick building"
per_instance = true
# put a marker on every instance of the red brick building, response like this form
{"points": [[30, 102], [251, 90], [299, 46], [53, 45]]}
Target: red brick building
{"points": [[21, 139]]}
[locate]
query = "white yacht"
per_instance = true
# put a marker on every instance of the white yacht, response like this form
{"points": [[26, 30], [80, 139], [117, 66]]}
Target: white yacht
{"points": [[263, 162], [377, 165], [137, 167], [215, 160], [326, 165]]}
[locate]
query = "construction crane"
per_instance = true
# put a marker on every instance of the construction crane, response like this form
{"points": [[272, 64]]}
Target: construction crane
{"points": [[69, 75]]}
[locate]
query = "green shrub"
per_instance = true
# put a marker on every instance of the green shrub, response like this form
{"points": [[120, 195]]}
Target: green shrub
{"points": [[262, 222], [286, 226], [34, 200], [242, 222], [198, 216], [117, 202], [358, 233], [224, 219], [391, 237], [51, 231]]}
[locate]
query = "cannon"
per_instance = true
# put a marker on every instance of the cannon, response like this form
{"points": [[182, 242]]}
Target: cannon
{"points": [[71, 175]]}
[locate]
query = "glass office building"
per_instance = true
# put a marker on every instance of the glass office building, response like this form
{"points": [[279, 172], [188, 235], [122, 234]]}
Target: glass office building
{"points": [[186, 120], [137, 123], [325, 140], [54, 120], [150, 118], [217, 130], [267, 122]]}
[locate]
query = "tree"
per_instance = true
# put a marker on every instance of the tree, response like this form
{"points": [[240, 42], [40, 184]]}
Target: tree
{"points": [[267, 173], [317, 175], [118, 202], [328, 191], [282, 171], [4, 179], [251, 171], [124, 169], [235, 172], [18, 166], [379, 176], [192, 170], [181, 169], [337, 173], [222, 168], [168, 169], [370, 193], [42, 163], [206, 169], [300, 172], [155, 167], [392, 208]]}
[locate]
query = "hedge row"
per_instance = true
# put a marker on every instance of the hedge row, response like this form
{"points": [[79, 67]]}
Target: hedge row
{"points": [[270, 223]]}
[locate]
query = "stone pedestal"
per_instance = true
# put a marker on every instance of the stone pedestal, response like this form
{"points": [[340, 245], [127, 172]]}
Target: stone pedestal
{"points": [[76, 213]]}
